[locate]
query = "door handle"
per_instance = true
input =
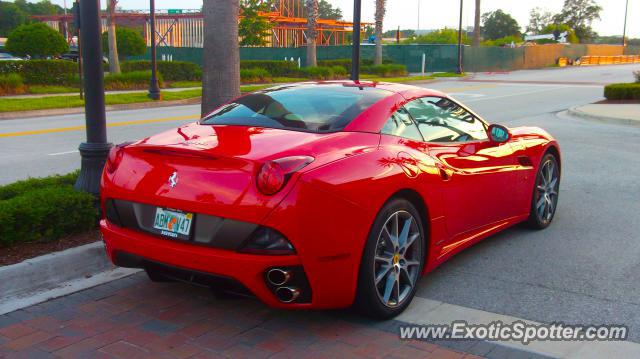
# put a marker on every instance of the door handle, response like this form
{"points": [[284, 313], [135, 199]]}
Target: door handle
{"points": [[445, 173]]}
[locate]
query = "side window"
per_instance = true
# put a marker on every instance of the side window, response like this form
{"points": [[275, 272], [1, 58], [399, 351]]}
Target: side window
{"points": [[442, 120], [400, 124]]}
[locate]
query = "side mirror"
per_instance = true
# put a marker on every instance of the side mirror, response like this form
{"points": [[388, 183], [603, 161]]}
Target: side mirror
{"points": [[498, 134]]}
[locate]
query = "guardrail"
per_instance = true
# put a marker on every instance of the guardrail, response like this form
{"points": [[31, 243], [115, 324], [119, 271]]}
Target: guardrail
{"points": [[609, 60]]}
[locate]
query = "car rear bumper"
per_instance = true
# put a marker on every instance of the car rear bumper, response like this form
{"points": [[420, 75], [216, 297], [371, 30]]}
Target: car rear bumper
{"points": [[131, 248]]}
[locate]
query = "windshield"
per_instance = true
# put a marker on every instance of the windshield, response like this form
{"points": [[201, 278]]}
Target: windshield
{"points": [[315, 108]]}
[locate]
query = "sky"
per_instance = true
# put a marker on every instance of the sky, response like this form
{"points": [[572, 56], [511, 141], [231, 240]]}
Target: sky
{"points": [[436, 14]]}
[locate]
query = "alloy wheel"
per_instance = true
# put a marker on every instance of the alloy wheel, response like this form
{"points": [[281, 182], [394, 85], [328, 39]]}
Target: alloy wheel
{"points": [[397, 258], [547, 191]]}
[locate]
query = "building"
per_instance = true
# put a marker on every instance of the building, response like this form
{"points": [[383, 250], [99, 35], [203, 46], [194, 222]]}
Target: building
{"points": [[184, 28]]}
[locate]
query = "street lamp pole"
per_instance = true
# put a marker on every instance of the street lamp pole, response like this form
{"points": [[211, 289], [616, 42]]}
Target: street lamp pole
{"points": [[418, 17], [460, 69], [154, 89], [624, 31], [95, 150], [355, 56]]}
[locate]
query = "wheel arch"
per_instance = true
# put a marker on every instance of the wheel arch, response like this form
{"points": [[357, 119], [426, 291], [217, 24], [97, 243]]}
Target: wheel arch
{"points": [[420, 204], [553, 149]]}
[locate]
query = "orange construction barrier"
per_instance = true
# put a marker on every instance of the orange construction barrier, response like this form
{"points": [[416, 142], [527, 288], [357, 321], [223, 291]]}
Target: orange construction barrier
{"points": [[608, 60]]}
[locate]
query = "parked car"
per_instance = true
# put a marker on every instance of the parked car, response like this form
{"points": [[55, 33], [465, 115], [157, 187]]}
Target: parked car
{"points": [[8, 57], [324, 195]]}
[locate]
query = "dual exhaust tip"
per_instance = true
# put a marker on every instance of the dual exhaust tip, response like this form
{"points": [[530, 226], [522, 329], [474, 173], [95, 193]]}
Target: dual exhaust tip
{"points": [[279, 278]]}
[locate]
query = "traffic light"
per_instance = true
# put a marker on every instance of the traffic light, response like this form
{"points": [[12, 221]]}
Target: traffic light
{"points": [[76, 14]]}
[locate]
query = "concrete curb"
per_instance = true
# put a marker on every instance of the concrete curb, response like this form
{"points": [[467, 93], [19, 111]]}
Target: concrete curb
{"points": [[52, 275], [75, 110], [575, 111]]}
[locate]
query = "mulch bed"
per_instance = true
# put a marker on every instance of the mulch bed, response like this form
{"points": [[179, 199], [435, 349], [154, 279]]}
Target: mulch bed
{"points": [[21, 252], [618, 102]]}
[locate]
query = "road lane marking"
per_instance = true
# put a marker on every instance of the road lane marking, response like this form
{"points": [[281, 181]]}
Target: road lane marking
{"points": [[517, 94], [62, 153], [113, 124]]}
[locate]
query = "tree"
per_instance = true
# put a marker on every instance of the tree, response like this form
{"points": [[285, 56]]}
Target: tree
{"points": [[442, 36], [498, 24], [253, 28], [538, 20], [43, 7], [130, 42], [221, 55], [476, 25], [312, 10], [560, 28], [379, 18], [326, 11], [12, 17], [578, 15], [37, 40], [114, 62]]}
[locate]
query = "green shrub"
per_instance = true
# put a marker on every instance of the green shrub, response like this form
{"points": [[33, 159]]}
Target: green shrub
{"points": [[11, 84], [317, 73], [42, 72], [274, 67], [37, 40], [129, 42], [170, 70], [254, 75], [44, 209], [21, 187], [626, 91], [346, 63], [339, 72], [129, 80], [388, 70]]}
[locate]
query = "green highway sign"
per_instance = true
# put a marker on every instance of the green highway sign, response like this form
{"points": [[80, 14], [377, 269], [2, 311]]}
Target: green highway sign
{"points": [[175, 11]]}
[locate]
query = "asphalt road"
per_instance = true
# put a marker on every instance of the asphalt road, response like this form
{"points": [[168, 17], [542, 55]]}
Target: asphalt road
{"points": [[585, 268]]}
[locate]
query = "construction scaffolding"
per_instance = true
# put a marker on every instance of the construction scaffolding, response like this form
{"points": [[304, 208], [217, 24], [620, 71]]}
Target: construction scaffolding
{"points": [[185, 28]]}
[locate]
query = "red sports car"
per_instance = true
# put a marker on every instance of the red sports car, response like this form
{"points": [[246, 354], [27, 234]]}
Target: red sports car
{"points": [[324, 195]]}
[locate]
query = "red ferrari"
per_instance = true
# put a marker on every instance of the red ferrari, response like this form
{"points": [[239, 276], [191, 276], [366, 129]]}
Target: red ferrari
{"points": [[324, 195]]}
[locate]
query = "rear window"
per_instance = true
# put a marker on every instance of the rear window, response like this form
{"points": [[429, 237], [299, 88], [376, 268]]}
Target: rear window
{"points": [[314, 108]]}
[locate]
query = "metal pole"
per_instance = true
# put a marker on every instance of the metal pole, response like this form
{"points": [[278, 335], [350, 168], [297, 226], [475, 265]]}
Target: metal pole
{"points": [[418, 18], [624, 32], [154, 89], [460, 69], [355, 56], [95, 150]]}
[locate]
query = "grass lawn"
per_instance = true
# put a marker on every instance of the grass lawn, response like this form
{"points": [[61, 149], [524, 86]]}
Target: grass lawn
{"points": [[448, 74], [401, 79], [50, 102]]}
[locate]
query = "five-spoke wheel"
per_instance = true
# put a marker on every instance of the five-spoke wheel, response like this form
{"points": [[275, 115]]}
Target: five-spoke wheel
{"points": [[392, 261], [545, 193]]}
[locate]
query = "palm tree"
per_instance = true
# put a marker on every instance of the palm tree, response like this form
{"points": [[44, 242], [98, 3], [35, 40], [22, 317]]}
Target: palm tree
{"points": [[312, 33], [221, 55], [114, 63], [476, 25], [380, 10]]}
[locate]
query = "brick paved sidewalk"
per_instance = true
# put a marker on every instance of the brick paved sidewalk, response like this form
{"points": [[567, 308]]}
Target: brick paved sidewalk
{"points": [[133, 317]]}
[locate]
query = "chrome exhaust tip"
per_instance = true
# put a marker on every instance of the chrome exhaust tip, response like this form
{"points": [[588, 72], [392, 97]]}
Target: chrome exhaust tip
{"points": [[277, 276], [287, 294]]}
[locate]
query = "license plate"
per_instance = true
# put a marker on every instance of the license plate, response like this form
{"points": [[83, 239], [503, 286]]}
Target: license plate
{"points": [[173, 224]]}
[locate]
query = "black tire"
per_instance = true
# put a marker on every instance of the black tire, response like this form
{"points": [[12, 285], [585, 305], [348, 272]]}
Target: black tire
{"points": [[157, 277], [539, 219], [369, 301]]}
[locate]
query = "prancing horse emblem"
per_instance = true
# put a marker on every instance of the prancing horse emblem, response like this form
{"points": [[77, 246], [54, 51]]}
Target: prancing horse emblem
{"points": [[173, 179]]}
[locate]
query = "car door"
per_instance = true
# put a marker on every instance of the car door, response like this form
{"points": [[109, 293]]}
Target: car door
{"points": [[478, 176]]}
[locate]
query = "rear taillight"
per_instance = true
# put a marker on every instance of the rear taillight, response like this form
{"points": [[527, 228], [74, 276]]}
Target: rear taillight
{"points": [[273, 175], [115, 156]]}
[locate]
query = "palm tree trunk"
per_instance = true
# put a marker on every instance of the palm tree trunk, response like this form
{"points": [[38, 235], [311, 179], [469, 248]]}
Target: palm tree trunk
{"points": [[476, 25], [221, 55], [114, 63], [380, 10], [312, 33]]}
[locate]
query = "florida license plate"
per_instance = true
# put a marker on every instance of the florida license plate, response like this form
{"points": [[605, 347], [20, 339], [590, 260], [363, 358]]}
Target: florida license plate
{"points": [[174, 224]]}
